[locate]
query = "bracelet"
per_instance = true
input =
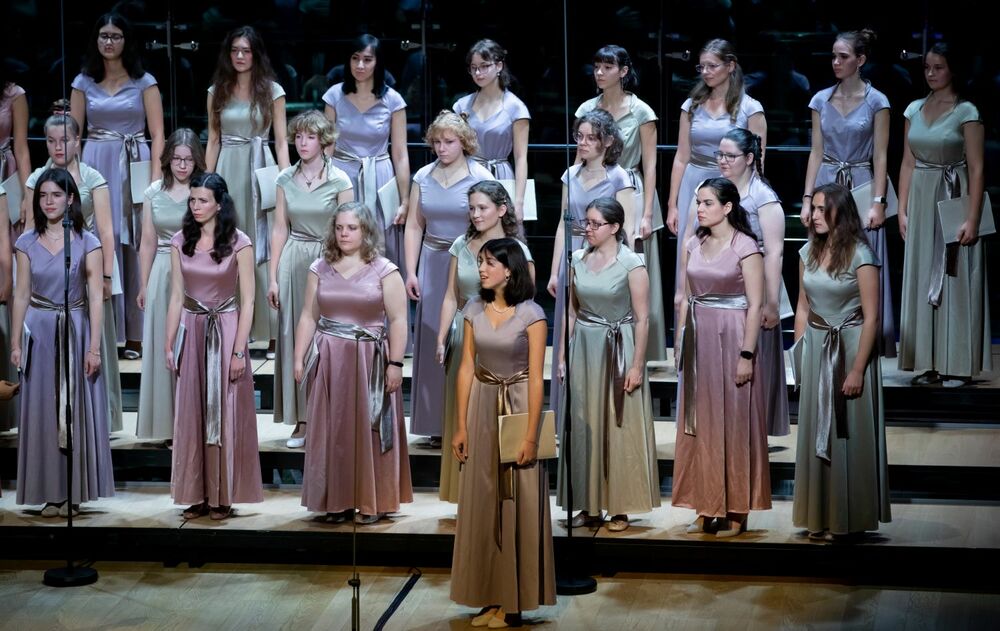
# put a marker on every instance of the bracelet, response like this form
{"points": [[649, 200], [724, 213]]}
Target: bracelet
{"points": [[533, 442], [95, 354], [106, 277], [807, 195], [396, 364]]}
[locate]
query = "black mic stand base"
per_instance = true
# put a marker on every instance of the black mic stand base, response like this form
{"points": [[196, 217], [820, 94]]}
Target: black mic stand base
{"points": [[574, 585], [70, 576]]}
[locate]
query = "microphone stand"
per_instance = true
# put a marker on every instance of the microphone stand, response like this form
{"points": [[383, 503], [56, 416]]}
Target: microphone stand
{"points": [[355, 580], [72, 575]]}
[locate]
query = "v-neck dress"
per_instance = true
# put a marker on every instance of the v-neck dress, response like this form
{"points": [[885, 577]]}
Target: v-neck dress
{"points": [[638, 114], [614, 466], [308, 213], [495, 133], [954, 338], [8, 409], [850, 139], [446, 217]]}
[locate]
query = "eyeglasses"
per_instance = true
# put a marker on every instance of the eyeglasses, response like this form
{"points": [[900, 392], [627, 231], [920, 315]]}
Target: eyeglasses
{"points": [[587, 224], [721, 156], [181, 161], [587, 138], [700, 68], [246, 52], [481, 69], [111, 37]]}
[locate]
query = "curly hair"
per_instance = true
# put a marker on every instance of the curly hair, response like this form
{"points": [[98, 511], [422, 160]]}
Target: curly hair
{"points": [[371, 234], [225, 219], [94, 66], [261, 76], [448, 120], [604, 126], [313, 122], [182, 137], [727, 193], [844, 232], [498, 196], [700, 92]]}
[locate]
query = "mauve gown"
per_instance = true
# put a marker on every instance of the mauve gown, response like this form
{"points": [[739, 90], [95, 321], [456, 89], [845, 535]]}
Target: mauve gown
{"points": [[495, 134], [123, 113], [8, 409], [724, 467], [467, 284], [851, 139], [706, 134], [366, 135], [954, 338], [849, 492], [338, 403], [7, 160], [89, 181], [578, 199], [308, 214], [228, 473], [630, 483], [770, 348], [155, 418], [8, 166], [446, 216], [234, 165], [519, 573], [639, 113], [41, 466]]}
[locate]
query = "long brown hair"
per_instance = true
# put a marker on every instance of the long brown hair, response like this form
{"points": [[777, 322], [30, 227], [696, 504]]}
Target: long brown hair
{"points": [[700, 92], [182, 137], [261, 76], [498, 195], [844, 230]]}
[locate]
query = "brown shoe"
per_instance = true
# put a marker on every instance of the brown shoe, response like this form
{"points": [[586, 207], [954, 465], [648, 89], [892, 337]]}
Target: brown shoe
{"points": [[218, 513], [196, 511]]}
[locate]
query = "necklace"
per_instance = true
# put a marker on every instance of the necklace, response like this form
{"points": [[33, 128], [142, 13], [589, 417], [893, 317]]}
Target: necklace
{"points": [[500, 311], [309, 181], [447, 175]]}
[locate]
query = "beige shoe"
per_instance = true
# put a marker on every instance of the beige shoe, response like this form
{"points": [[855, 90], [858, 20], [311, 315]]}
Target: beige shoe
{"points": [[618, 523], [484, 618], [701, 525]]}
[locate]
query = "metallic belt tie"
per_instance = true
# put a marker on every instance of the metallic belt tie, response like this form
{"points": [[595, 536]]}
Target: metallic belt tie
{"points": [[163, 247], [845, 176], [832, 402], [506, 482], [491, 164], [945, 255], [379, 404], [703, 161], [614, 376], [577, 231], [258, 160], [4, 148], [689, 355], [128, 154], [367, 177], [295, 235], [66, 384], [437, 243], [212, 406]]}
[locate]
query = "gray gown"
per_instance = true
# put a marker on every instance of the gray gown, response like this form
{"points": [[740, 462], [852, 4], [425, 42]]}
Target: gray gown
{"points": [[847, 490], [848, 145]]}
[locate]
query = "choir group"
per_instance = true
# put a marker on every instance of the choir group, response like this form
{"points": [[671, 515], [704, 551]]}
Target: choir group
{"points": [[205, 262]]}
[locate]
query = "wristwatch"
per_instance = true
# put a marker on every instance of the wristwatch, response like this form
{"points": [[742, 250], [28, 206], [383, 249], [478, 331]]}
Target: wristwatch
{"points": [[238, 354], [880, 200], [746, 354]]}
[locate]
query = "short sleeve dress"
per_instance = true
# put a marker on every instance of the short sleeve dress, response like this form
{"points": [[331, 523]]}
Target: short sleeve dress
{"points": [[8, 164], [495, 133]]}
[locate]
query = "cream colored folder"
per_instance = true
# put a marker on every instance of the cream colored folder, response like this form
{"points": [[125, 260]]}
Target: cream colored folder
{"points": [[267, 183], [862, 195], [140, 179], [12, 186], [388, 196], [513, 428], [952, 214], [530, 210]]}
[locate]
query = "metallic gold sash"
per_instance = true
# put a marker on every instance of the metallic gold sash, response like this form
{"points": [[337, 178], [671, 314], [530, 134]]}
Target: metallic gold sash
{"points": [[367, 177], [128, 154], [66, 384], [689, 354], [832, 402], [506, 481], [491, 164], [703, 161], [436, 243], [212, 406], [258, 160], [945, 255], [379, 404], [614, 376]]}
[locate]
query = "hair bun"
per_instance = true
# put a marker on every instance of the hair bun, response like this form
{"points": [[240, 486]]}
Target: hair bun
{"points": [[60, 106]]}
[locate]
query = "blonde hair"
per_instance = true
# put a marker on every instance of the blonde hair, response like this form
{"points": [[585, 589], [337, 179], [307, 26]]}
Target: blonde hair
{"points": [[371, 242], [450, 121], [313, 122]]}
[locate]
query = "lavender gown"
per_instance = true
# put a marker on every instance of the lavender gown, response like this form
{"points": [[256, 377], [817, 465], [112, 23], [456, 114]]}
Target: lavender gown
{"points": [[364, 137], [723, 468], [851, 139], [124, 114], [446, 217], [496, 133], [227, 473], [41, 466], [338, 408], [706, 134], [578, 199]]}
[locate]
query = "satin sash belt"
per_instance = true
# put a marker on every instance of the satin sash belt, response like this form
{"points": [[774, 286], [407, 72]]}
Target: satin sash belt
{"points": [[128, 154], [436, 243], [844, 175], [577, 231], [689, 353], [66, 384], [295, 235], [258, 160], [832, 403], [212, 406], [5, 146], [491, 164], [614, 376], [163, 246], [367, 177], [945, 256], [506, 482], [379, 405], [703, 161]]}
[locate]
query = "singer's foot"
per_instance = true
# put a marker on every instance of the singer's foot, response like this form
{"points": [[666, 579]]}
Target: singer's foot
{"points": [[485, 615], [298, 438], [270, 350], [64, 509], [51, 509], [196, 511], [218, 513], [502, 619]]}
